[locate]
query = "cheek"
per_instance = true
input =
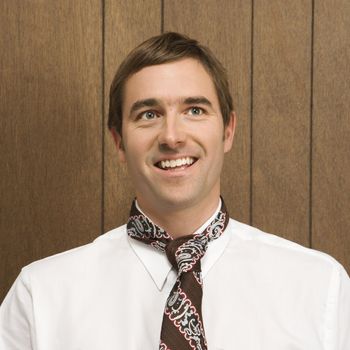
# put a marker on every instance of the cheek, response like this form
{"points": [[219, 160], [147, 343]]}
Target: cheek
{"points": [[208, 130], [136, 148], [215, 137]]}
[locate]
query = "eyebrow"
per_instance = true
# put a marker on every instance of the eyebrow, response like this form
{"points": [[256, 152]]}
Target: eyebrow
{"points": [[197, 100], [148, 102]]}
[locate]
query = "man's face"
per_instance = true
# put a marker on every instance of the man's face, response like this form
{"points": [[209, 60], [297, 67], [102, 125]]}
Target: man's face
{"points": [[173, 137]]}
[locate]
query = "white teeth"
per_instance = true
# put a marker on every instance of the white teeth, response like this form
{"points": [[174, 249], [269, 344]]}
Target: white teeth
{"points": [[172, 163]]}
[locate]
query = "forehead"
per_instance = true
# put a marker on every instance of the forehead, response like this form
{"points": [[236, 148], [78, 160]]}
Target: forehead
{"points": [[170, 82]]}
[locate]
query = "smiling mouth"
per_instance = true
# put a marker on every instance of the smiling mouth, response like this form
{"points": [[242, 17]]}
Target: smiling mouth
{"points": [[173, 164]]}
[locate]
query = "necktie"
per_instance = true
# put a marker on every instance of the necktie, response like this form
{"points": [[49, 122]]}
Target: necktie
{"points": [[182, 326]]}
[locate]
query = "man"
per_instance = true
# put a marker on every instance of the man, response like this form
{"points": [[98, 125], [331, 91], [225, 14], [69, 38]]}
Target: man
{"points": [[180, 275]]}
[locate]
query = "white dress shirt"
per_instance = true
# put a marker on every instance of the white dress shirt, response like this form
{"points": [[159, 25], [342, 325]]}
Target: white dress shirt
{"points": [[260, 292]]}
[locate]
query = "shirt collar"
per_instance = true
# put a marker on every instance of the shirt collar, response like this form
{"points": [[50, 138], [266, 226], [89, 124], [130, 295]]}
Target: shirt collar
{"points": [[157, 263]]}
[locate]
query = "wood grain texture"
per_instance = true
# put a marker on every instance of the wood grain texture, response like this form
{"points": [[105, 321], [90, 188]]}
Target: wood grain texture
{"points": [[50, 129], [331, 130], [225, 27], [281, 117], [127, 24]]}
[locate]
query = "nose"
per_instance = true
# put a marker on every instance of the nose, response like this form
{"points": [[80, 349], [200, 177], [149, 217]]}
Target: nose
{"points": [[172, 133]]}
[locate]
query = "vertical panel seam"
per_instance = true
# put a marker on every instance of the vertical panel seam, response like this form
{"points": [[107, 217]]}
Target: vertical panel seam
{"points": [[311, 118], [251, 112], [162, 16], [103, 115]]}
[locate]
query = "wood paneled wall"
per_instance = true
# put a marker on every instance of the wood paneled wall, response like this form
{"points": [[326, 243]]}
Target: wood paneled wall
{"points": [[288, 172]]}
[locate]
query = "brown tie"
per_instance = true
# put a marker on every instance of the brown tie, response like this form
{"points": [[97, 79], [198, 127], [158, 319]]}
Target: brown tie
{"points": [[182, 326]]}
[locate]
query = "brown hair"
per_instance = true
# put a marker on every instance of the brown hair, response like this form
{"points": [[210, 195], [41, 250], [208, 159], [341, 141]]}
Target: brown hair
{"points": [[165, 48]]}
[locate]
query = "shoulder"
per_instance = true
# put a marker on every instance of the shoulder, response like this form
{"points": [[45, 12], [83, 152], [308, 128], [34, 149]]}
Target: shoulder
{"points": [[111, 245], [280, 254], [283, 268], [289, 278]]}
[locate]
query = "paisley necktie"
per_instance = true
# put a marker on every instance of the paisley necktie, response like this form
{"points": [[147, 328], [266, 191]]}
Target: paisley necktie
{"points": [[182, 326]]}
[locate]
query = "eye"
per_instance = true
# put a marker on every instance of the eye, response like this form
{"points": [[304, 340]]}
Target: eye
{"points": [[148, 115], [195, 111]]}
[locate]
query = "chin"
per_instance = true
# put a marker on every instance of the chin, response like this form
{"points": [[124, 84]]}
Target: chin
{"points": [[178, 199]]}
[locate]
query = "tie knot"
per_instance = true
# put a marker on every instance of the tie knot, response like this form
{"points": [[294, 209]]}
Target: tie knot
{"points": [[184, 253]]}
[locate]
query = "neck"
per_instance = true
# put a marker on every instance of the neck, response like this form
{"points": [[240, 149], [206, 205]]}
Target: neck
{"points": [[181, 221]]}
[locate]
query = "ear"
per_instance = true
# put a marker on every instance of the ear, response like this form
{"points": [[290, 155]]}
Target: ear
{"points": [[119, 143], [229, 132]]}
